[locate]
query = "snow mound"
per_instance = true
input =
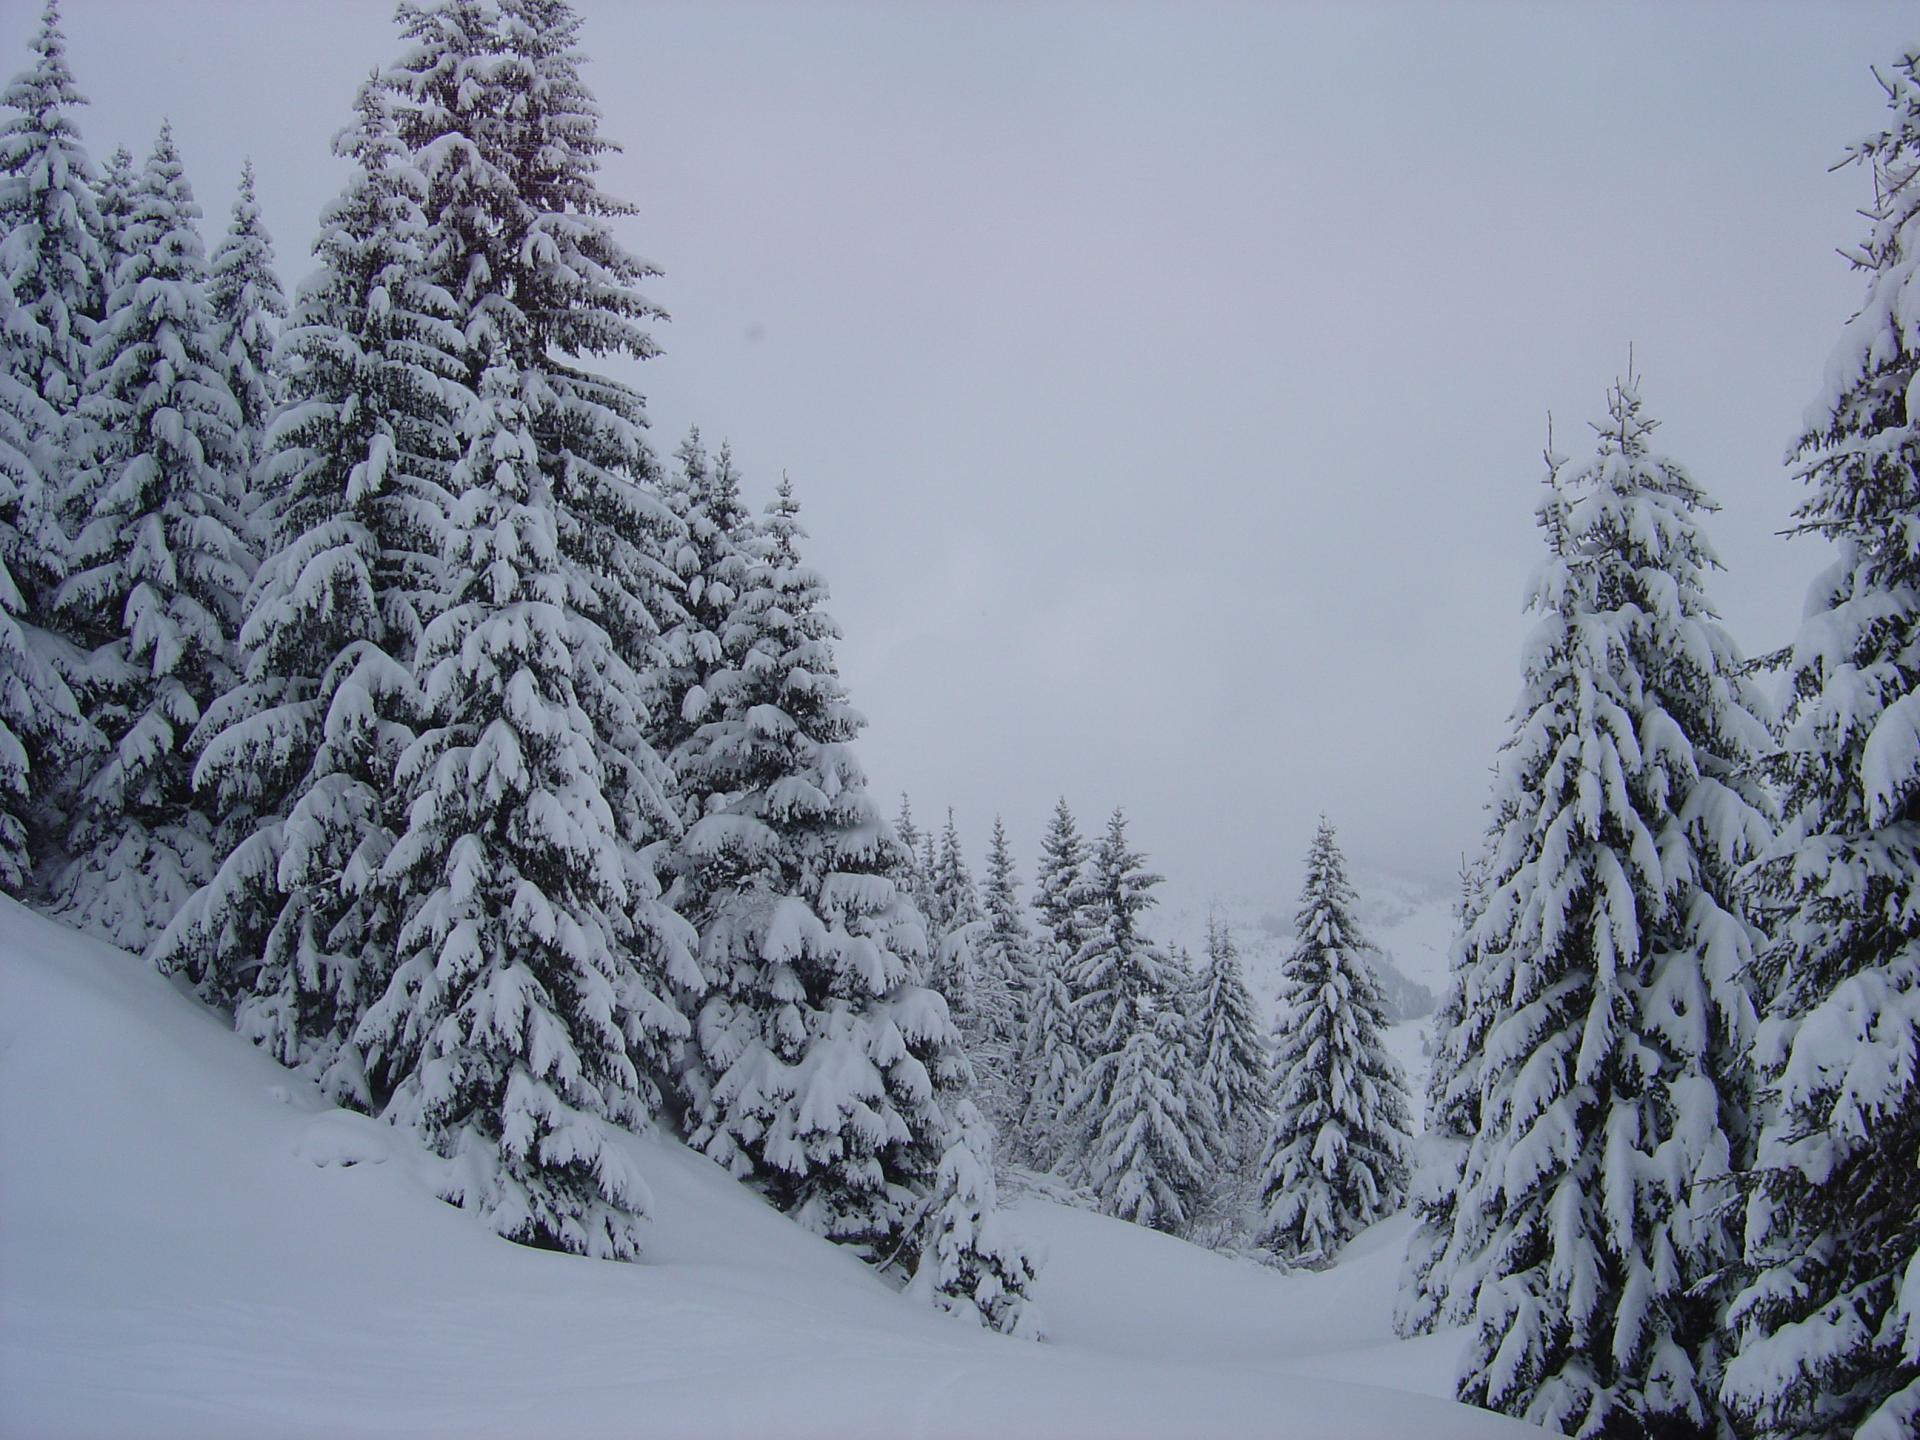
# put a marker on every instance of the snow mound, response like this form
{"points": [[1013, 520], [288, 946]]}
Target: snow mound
{"points": [[194, 1244]]}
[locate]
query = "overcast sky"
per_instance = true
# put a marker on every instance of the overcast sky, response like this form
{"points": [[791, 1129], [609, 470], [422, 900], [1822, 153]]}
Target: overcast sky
{"points": [[1165, 385]]}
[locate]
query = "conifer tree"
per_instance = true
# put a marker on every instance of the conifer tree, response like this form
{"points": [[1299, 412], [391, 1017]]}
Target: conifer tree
{"points": [[115, 194], [527, 1005], [1063, 859], [955, 935], [36, 707], [1435, 1289], [711, 563], [1137, 1107], [1232, 1056], [1008, 980], [158, 570], [52, 284], [1336, 1159], [1828, 1323], [1613, 946], [969, 1264], [820, 1059], [297, 930], [914, 876], [249, 306], [533, 763]]}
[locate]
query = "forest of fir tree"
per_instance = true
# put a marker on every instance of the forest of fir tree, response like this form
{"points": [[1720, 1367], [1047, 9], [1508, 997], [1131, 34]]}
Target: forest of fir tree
{"points": [[363, 664]]}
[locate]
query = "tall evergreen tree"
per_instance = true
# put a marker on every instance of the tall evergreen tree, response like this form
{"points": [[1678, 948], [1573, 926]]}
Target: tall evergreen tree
{"points": [[249, 306], [297, 930], [52, 283], [1137, 1107], [1051, 1058], [1232, 1056], [1614, 946], [1829, 1322], [533, 763], [528, 1000], [1336, 1160], [158, 571], [821, 1064]]}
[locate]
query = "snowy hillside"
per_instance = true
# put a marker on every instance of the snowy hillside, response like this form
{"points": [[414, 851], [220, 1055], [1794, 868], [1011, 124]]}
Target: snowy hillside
{"points": [[193, 1244]]}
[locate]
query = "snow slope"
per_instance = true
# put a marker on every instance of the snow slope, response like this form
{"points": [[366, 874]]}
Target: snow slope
{"points": [[192, 1244]]}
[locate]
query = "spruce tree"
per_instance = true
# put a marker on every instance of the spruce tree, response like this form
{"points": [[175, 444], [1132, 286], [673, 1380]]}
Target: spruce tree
{"points": [[711, 562], [1232, 1055], [1828, 1323], [115, 195], [1434, 1289], [1137, 1109], [1008, 981], [969, 1265], [1336, 1159], [1613, 946], [249, 306], [533, 761], [52, 283], [821, 1063], [159, 567], [526, 1026], [955, 936], [296, 932]]}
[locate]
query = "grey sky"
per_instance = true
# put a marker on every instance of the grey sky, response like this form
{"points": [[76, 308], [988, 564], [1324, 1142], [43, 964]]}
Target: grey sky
{"points": [[1165, 385]]}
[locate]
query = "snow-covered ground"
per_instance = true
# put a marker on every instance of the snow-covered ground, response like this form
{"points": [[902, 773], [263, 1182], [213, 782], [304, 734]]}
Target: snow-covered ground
{"points": [[193, 1244]]}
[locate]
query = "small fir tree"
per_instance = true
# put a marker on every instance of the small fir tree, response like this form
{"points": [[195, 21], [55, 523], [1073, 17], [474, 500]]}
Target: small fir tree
{"points": [[1336, 1160], [969, 1264], [1434, 1288], [1233, 1057], [1828, 1323]]}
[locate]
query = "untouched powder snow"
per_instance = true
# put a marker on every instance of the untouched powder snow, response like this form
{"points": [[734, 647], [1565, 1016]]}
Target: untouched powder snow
{"points": [[193, 1244]]}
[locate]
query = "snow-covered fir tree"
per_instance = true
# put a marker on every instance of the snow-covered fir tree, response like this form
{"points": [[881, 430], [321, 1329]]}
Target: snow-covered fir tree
{"points": [[116, 193], [711, 562], [528, 1004], [249, 306], [1337, 1156], [36, 707], [1050, 1058], [1232, 1055], [956, 926], [158, 569], [970, 1264], [1828, 1323], [297, 930], [1063, 863], [822, 1063], [1428, 1295], [52, 285], [529, 1008], [1009, 977], [1613, 947], [1144, 1127]]}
